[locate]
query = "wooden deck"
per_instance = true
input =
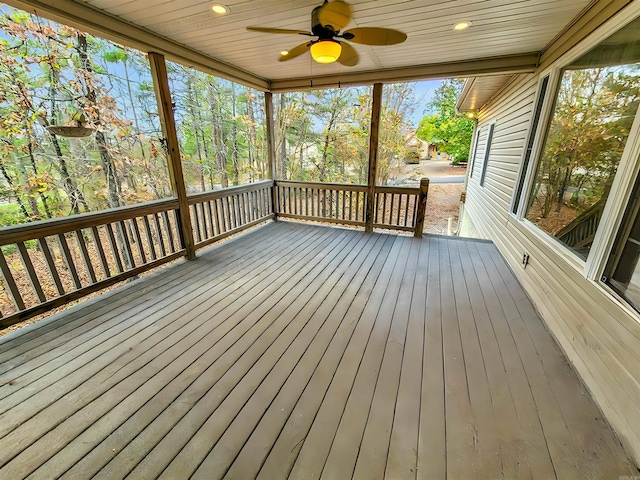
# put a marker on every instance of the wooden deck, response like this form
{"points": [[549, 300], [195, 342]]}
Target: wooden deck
{"points": [[304, 351]]}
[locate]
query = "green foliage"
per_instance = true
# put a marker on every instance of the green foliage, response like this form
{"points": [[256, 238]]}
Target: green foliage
{"points": [[450, 132], [323, 135]]}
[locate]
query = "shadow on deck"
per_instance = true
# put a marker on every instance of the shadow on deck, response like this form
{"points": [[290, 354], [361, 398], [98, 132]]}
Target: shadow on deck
{"points": [[304, 351]]}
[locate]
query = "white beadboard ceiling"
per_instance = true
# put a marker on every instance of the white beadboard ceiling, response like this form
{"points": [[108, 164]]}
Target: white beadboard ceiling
{"points": [[500, 28]]}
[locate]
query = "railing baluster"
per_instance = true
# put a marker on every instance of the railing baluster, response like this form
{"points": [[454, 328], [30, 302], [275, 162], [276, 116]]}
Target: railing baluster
{"points": [[406, 210], [158, 230], [242, 210], [343, 205], [210, 215], [216, 215], [148, 234], [114, 247], [66, 254], [122, 227], [167, 226], [225, 215], [237, 199], [136, 232], [51, 264], [11, 283], [95, 233], [85, 255], [231, 206], [196, 222], [31, 273], [205, 231]]}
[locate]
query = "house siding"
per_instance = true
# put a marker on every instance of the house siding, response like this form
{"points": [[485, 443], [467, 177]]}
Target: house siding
{"points": [[599, 333]]}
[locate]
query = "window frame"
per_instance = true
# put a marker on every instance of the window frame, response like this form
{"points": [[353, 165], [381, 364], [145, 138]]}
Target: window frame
{"points": [[519, 197], [476, 143], [487, 153], [594, 266]]}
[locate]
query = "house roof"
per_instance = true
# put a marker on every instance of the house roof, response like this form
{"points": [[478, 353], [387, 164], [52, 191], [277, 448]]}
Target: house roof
{"points": [[505, 37], [477, 91]]}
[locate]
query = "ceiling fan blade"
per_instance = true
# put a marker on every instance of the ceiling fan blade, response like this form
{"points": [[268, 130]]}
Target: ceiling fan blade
{"points": [[375, 36], [294, 52], [336, 13], [278, 30], [349, 56]]}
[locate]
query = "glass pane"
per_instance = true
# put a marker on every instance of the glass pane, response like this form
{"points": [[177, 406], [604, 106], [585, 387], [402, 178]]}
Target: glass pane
{"points": [[623, 270], [221, 129], [323, 135], [532, 135], [595, 106], [80, 129]]}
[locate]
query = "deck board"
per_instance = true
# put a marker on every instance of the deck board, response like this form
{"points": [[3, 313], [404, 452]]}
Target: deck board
{"points": [[299, 351]]}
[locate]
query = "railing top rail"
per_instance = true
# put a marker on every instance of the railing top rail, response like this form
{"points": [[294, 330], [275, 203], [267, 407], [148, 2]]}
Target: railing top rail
{"points": [[212, 195], [54, 226], [392, 189], [323, 186]]}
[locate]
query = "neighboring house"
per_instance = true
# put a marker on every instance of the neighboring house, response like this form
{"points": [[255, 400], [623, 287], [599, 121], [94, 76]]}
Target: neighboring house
{"points": [[419, 148], [553, 181]]}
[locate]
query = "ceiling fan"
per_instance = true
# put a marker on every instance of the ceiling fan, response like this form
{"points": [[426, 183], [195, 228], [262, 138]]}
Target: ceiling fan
{"points": [[327, 21]]}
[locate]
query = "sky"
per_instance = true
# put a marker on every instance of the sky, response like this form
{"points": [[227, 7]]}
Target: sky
{"points": [[424, 94]]}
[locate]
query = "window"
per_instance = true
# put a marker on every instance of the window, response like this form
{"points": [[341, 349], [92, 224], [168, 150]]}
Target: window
{"points": [[623, 272], [475, 152], [532, 135], [594, 109], [487, 151]]}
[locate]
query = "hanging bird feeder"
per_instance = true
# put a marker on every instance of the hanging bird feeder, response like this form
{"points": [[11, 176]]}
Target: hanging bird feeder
{"points": [[76, 129]]}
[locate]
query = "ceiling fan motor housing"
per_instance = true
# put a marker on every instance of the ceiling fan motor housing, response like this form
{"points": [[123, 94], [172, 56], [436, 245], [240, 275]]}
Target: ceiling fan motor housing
{"points": [[324, 33]]}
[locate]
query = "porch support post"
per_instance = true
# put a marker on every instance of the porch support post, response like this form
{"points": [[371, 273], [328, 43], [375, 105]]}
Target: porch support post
{"points": [[268, 109], [373, 156], [422, 207], [165, 111]]}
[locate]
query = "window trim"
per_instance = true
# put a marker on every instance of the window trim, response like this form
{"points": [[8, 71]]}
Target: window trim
{"points": [[476, 143], [614, 209], [536, 120], [487, 152]]}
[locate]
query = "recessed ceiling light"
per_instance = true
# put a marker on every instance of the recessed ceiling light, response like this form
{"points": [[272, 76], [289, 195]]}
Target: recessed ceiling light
{"points": [[220, 9], [470, 115], [462, 25], [284, 52]]}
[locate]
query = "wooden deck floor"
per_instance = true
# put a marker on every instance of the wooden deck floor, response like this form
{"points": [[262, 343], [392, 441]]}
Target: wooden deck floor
{"points": [[304, 351]]}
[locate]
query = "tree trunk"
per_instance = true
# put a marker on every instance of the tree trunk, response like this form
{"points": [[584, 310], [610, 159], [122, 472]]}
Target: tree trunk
{"points": [[16, 191], [234, 137]]}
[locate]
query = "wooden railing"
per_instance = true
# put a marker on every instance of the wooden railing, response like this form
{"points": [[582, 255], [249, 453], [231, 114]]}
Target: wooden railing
{"points": [[220, 213], [49, 263], [322, 202], [581, 231], [395, 208]]}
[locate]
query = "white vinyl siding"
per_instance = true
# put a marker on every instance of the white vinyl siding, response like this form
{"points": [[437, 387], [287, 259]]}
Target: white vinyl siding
{"points": [[598, 332]]}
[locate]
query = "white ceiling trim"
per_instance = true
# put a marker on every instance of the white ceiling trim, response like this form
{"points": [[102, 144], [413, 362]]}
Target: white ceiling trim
{"points": [[508, 65]]}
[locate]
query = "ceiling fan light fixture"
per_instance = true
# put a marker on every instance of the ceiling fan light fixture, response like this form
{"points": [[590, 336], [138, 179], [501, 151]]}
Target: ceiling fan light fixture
{"points": [[220, 9], [284, 53], [462, 25], [326, 51]]}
